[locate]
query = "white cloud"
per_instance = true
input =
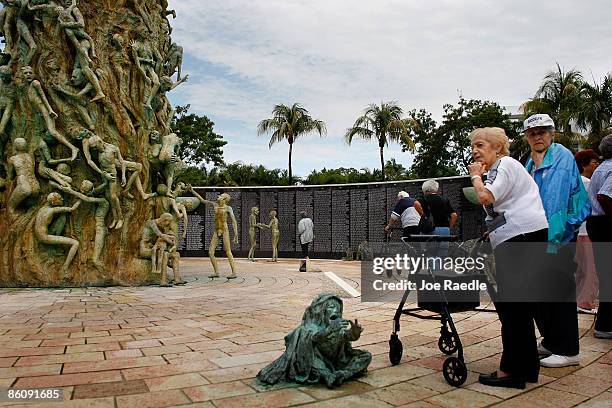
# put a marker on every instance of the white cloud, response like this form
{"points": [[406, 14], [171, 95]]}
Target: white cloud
{"points": [[335, 57]]}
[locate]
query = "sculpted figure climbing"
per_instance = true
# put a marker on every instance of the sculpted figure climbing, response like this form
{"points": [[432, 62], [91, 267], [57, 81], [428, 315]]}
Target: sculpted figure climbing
{"points": [[20, 167], [38, 101], [45, 217]]}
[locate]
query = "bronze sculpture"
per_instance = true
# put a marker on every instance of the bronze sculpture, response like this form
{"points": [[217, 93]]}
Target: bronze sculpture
{"points": [[222, 212], [319, 350], [84, 93]]}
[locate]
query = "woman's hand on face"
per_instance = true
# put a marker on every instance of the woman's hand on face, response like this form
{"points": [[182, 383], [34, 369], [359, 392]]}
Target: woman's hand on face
{"points": [[476, 169]]}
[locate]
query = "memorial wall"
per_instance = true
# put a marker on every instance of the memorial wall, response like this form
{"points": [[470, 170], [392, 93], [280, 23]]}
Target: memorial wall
{"points": [[344, 215]]}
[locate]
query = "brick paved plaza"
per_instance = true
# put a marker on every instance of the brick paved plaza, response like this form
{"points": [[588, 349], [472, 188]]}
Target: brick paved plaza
{"points": [[201, 345]]}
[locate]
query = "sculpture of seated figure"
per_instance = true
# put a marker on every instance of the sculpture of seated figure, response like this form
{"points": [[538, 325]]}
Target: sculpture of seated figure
{"points": [[154, 230], [157, 255], [319, 350]]}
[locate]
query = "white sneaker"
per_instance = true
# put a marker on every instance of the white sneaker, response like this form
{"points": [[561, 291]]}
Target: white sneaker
{"points": [[557, 361], [603, 334], [587, 311], [543, 351]]}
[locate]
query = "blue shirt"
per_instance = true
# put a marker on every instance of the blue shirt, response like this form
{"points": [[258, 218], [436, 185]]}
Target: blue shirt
{"points": [[601, 183], [564, 197]]}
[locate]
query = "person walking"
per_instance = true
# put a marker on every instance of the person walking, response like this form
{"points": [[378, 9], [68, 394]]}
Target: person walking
{"points": [[599, 227], [587, 284], [566, 203], [306, 232], [515, 215]]}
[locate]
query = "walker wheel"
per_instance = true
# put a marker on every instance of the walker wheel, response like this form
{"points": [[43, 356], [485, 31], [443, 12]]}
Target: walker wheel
{"points": [[455, 371], [396, 349], [447, 343]]}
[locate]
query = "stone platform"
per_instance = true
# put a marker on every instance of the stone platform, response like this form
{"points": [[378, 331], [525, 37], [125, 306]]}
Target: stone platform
{"points": [[202, 344]]}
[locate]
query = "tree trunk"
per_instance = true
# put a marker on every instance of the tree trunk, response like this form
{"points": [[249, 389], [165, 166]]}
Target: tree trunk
{"points": [[290, 169], [382, 162]]}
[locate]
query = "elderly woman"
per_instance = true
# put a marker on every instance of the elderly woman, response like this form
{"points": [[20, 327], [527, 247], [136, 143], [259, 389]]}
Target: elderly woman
{"points": [[514, 215]]}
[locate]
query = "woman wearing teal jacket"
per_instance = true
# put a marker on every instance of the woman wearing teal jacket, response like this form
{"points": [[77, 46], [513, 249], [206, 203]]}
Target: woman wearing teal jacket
{"points": [[567, 205]]}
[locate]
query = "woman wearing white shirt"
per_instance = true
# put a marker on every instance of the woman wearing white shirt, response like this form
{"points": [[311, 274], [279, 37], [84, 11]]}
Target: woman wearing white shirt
{"points": [[514, 214]]}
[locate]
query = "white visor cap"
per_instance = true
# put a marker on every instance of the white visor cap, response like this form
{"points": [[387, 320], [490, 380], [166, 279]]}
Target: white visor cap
{"points": [[539, 120]]}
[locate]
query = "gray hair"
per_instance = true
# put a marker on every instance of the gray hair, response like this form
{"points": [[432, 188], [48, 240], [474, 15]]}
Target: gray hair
{"points": [[304, 214], [605, 147], [430, 187]]}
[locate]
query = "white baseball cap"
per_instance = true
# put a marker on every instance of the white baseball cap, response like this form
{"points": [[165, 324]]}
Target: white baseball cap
{"points": [[538, 120], [403, 194]]}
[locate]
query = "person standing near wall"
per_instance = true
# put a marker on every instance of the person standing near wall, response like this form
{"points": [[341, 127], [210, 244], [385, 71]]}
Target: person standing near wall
{"points": [[439, 208], [306, 232]]}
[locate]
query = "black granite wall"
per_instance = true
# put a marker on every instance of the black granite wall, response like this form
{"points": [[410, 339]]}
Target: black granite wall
{"points": [[344, 215]]}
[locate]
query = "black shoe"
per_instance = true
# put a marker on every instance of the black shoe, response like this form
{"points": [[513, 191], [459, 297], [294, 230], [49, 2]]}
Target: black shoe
{"points": [[508, 382]]}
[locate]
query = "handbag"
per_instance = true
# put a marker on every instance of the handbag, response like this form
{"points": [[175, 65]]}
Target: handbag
{"points": [[426, 225]]}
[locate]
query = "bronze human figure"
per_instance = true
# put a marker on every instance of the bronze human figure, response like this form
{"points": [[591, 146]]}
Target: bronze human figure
{"points": [[222, 212]]}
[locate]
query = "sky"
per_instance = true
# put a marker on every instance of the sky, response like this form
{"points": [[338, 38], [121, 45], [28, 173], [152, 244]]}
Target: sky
{"points": [[335, 57]]}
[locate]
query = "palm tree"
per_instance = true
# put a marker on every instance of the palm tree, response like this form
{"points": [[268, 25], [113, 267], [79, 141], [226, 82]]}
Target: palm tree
{"points": [[595, 111], [558, 96], [383, 123], [290, 123]]}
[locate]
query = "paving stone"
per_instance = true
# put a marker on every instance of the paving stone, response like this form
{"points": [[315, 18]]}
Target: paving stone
{"points": [[463, 398], [393, 375], [321, 392], [115, 364], [30, 370], [544, 397], [109, 389], [59, 359], [7, 361], [218, 391], [83, 348], [402, 393], [351, 401], [153, 371], [168, 398], [278, 398], [68, 379], [233, 373], [175, 382], [578, 384], [158, 351], [110, 355], [246, 359]]}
